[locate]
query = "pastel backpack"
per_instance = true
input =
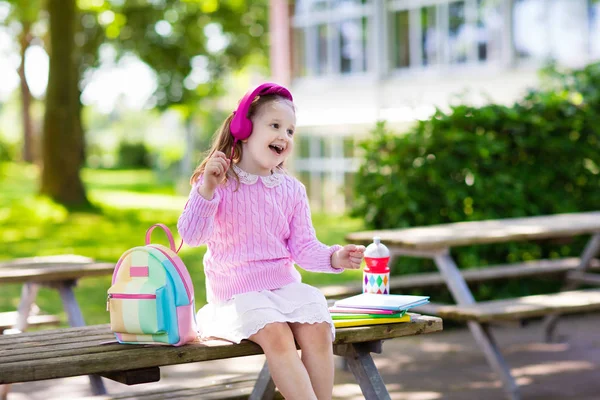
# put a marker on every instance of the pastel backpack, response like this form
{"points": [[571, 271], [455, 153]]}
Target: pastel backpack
{"points": [[151, 299]]}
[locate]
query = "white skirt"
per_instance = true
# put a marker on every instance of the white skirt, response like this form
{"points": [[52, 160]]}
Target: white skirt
{"points": [[247, 313]]}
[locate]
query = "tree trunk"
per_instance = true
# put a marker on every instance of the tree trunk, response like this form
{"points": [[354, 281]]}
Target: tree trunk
{"points": [[63, 137], [28, 140]]}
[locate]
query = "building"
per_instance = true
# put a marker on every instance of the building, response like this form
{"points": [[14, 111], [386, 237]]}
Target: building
{"points": [[350, 63]]}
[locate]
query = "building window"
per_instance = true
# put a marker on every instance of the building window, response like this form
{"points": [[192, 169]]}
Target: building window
{"points": [[299, 54], [489, 30], [551, 30], [594, 28], [322, 46], [459, 38], [353, 45], [429, 35], [402, 38], [336, 33], [349, 147], [349, 182], [326, 165], [530, 29]]}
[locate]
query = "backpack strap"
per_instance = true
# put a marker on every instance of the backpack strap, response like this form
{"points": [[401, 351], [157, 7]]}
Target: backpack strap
{"points": [[169, 236]]}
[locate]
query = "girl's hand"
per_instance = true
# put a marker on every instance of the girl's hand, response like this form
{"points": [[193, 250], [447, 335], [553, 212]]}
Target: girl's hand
{"points": [[215, 172], [348, 257]]}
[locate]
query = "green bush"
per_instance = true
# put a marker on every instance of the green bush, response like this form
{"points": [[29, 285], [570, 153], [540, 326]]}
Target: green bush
{"points": [[133, 155], [540, 156], [7, 151]]}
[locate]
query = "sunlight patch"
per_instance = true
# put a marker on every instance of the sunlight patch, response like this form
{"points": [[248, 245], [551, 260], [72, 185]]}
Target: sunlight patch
{"points": [[557, 367], [130, 200]]}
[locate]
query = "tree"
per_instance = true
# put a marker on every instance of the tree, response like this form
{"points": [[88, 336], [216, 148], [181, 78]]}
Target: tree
{"points": [[62, 141], [169, 35], [25, 13]]}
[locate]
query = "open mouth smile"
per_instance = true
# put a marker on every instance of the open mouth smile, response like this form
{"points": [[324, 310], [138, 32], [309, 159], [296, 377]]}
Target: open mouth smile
{"points": [[277, 148]]}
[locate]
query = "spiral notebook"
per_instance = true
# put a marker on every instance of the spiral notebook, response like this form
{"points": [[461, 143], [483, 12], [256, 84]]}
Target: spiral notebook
{"points": [[394, 302]]}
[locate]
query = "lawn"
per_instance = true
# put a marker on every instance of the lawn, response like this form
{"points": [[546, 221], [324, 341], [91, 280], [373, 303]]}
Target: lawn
{"points": [[130, 201]]}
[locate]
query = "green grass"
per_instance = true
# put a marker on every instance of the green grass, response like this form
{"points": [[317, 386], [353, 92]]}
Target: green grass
{"points": [[130, 201]]}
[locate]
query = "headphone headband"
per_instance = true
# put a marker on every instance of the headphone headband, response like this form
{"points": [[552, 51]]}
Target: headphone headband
{"points": [[241, 126]]}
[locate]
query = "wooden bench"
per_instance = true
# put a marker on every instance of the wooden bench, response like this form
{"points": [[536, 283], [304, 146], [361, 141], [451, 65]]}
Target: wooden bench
{"points": [[60, 273], [32, 356], [435, 242]]}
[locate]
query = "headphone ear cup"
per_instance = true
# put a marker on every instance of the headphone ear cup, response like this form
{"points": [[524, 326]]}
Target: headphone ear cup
{"points": [[240, 127]]}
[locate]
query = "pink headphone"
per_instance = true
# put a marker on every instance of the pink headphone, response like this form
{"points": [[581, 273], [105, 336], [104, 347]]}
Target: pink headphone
{"points": [[241, 126]]}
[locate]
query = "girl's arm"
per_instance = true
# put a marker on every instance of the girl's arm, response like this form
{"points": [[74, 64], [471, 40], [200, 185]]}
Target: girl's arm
{"points": [[195, 225], [305, 248]]}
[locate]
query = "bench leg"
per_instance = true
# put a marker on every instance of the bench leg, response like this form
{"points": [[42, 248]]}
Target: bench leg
{"points": [[76, 319], [487, 343], [463, 296], [28, 295], [358, 357], [264, 389], [591, 249]]}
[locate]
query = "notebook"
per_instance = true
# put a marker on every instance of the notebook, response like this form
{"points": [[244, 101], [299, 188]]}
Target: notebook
{"points": [[352, 310], [384, 302], [335, 315], [343, 323]]}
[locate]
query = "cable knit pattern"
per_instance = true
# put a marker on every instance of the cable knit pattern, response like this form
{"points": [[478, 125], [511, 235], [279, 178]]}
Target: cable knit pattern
{"points": [[254, 232]]}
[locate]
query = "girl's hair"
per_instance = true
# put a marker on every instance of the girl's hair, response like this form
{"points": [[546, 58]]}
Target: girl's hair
{"points": [[223, 140]]}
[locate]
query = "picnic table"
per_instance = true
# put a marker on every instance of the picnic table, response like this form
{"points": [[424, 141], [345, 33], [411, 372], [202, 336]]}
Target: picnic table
{"points": [[60, 353], [436, 241], [59, 272]]}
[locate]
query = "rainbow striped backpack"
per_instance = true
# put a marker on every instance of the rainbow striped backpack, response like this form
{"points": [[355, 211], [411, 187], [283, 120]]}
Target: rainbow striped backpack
{"points": [[151, 299]]}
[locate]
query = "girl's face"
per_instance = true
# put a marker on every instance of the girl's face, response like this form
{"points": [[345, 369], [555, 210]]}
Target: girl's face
{"points": [[271, 141]]}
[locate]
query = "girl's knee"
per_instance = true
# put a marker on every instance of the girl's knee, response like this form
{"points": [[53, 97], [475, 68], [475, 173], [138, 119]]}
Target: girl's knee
{"points": [[314, 335], [275, 337]]}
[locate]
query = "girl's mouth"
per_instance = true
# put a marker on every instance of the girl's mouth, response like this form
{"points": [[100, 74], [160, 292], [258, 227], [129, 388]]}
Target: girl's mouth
{"points": [[276, 148]]}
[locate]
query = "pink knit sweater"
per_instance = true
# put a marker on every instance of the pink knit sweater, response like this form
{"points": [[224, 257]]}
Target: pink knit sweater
{"points": [[254, 235]]}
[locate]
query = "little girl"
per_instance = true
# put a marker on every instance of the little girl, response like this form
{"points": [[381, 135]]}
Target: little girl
{"points": [[256, 222]]}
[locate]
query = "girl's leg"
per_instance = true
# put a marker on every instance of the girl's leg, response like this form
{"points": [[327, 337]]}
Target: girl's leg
{"points": [[286, 368], [317, 355]]}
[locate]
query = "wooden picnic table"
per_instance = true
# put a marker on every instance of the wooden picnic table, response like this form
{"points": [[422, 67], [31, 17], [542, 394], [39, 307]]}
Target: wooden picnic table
{"points": [[50, 354], [56, 272], [436, 241]]}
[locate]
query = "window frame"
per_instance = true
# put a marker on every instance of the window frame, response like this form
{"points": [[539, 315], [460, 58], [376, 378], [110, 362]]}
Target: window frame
{"points": [[332, 16]]}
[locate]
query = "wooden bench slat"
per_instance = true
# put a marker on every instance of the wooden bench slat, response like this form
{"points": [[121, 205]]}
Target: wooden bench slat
{"points": [[585, 279], [95, 357], [483, 232], [473, 275], [524, 307], [56, 273], [64, 349], [60, 334], [9, 319], [52, 269]]}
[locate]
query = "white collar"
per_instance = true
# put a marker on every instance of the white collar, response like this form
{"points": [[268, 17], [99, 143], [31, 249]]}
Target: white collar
{"points": [[275, 179]]}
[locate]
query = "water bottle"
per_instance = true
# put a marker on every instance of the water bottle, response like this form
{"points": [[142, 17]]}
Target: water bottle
{"points": [[376, 275]]}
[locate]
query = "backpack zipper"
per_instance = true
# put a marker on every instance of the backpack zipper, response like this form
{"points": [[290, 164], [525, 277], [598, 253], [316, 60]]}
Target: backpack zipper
{"points": [[127, 297]]}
